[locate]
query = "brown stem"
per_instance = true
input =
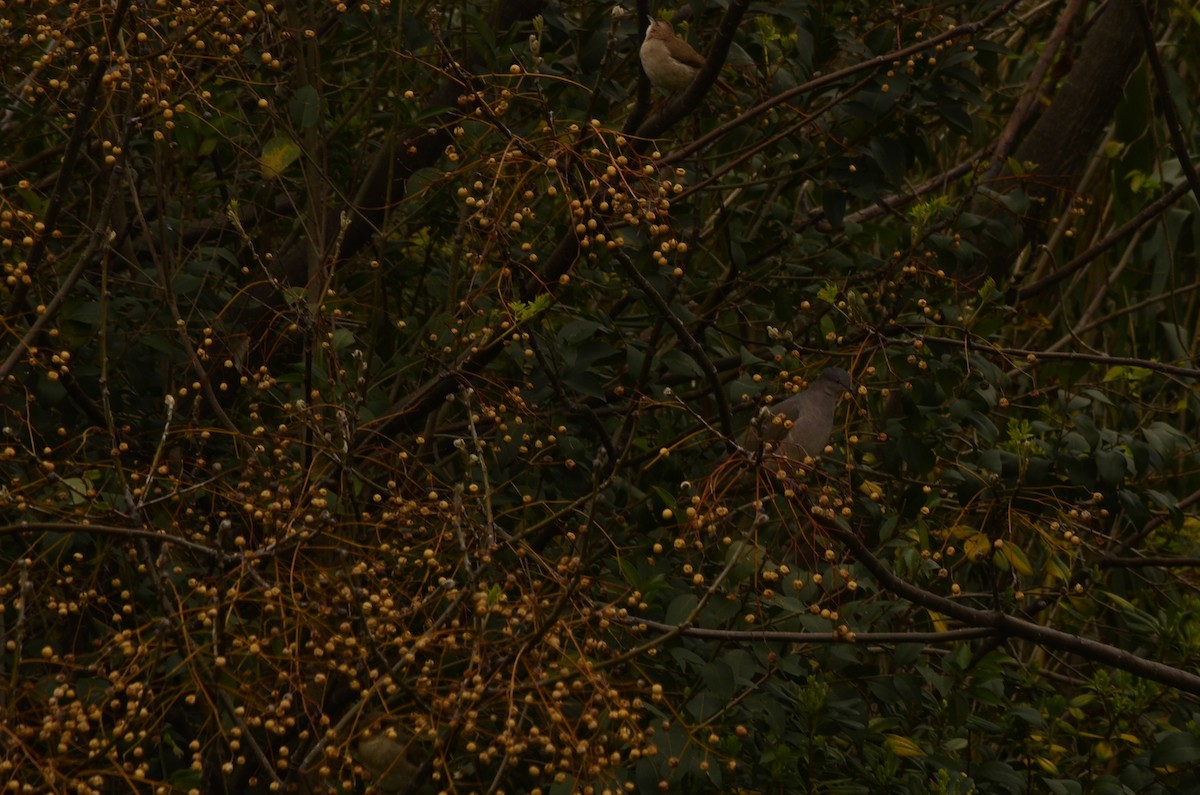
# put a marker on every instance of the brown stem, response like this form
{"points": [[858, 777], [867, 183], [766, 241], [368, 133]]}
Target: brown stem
{"points": [[771, 636], [109, 530]]}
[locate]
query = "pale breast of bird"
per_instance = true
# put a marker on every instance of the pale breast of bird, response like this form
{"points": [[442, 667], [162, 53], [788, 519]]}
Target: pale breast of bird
{"points": [[669, 62]]}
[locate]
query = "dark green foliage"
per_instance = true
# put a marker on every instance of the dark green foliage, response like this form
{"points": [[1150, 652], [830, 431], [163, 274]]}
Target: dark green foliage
{"points": [[371, 372]]}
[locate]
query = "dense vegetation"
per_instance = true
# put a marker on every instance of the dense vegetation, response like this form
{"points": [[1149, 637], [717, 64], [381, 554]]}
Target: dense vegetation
{"points": [[374, 378]]}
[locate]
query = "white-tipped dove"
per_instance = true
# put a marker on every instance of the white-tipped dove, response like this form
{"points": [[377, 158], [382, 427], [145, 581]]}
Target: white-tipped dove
{"points": [[800, 425]]}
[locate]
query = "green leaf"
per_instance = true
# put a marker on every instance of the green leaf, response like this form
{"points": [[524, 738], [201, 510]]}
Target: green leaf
{"points": [[341, 339], [1176, 750], [1013, 556], [423, 179], [679, 363], [681, 607], [577, 331], [1087, 429], [1111, 467], [527, 310], [1028, 715], [902, 746], [305, 107], [1001, 776], [957, 117], [76, 490], [834, 205]]}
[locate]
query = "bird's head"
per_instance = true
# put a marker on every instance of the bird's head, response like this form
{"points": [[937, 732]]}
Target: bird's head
{"points": [[659, 29], [837, 379]]}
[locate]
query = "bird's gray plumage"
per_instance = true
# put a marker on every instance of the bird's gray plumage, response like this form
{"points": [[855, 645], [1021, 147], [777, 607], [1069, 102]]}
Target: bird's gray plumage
{"points": [[801, 425]]}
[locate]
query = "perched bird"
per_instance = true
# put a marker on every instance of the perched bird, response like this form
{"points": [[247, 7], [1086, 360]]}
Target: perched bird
{"points": [[800, 425], [669, 61]]}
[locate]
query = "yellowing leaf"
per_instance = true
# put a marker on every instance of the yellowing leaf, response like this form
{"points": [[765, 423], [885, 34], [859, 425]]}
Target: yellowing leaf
{"points": [[902, 746], [977, 547], [1056, 568], [1119, 601], [939, 621], [278, 153], [1016, 558], [77, 489], [1191, 527], [1133, 374], [870, 488]]}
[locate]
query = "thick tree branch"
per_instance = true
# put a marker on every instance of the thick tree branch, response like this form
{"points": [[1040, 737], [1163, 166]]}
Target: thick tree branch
{"points": [[1027, 104], [1016, 627], [776, 636]]}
